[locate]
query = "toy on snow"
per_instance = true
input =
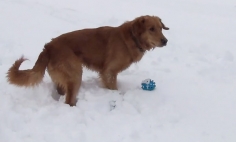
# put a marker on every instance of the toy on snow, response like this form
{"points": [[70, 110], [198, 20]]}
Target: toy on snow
{"points": [[148, 84]]}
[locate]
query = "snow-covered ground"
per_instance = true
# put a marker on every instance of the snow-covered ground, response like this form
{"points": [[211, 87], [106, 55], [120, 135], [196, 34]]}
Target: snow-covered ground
{"points": [[195, 97]]}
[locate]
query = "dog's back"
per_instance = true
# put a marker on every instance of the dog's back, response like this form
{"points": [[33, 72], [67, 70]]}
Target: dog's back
{"points": [[91, 45]]}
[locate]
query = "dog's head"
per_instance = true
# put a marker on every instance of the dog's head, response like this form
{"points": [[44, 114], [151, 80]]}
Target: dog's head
{"points": [[148, 31]]}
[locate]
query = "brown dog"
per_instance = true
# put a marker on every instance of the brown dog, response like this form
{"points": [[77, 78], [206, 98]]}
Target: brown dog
{"points": [[106, 50]]}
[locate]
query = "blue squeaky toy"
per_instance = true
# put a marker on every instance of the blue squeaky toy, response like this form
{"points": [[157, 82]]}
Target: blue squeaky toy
{"points": [[148, 84]]}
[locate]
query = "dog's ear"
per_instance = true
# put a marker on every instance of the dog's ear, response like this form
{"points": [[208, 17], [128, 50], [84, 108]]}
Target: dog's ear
{"points": [[163, 26], [138, 26]]}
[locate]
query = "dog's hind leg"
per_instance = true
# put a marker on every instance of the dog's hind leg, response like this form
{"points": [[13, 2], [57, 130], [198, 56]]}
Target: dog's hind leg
{"points": [[60, 89], [66, 74], [72, 81], [69, 86], [71, 92]]}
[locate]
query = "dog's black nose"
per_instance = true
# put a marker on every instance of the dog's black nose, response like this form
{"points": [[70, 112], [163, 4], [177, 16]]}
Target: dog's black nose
{"points": [[164, 41]]}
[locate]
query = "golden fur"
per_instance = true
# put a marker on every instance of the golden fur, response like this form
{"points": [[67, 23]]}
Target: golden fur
{"points": [[106, 50]]}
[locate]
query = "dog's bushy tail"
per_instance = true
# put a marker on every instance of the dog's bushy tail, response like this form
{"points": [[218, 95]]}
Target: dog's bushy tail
{"points": [[30, 77]]}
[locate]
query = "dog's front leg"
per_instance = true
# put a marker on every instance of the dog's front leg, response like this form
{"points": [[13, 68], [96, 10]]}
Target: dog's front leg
{"points": [[109, 80]]}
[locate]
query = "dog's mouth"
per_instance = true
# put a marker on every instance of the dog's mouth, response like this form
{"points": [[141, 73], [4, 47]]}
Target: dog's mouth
{"points": [[164, 44], [151, 46], [161, 45], [154, 45]]}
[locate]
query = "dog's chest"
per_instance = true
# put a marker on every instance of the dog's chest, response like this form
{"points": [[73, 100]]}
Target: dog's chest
{"points": [[126, 62], [136, 56]]}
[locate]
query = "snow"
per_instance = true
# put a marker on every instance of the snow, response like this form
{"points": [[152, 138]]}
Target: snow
{"points": [[195, 75]]}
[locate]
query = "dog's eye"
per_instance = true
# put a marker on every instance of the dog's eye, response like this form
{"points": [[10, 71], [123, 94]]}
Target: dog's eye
{"points": [[152, 29]]}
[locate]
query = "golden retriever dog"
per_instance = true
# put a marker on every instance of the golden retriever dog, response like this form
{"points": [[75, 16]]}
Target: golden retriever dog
{"points": [[106, 50]]}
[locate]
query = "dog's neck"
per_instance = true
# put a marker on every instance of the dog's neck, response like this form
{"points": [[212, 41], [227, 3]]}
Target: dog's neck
{"points": [[137, 43]]}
